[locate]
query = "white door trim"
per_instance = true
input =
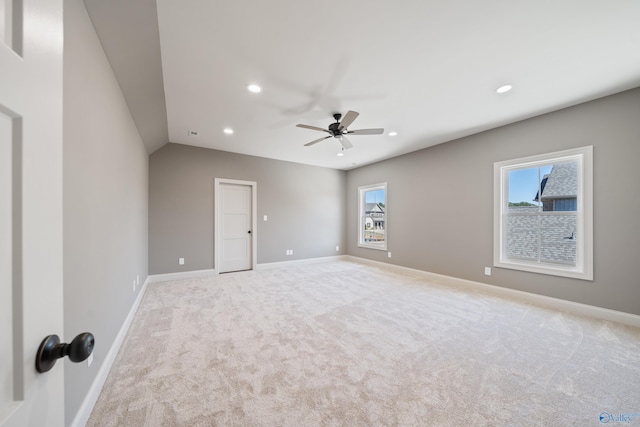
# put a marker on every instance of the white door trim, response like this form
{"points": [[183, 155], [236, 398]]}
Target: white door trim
{"points": [[216, 220]]}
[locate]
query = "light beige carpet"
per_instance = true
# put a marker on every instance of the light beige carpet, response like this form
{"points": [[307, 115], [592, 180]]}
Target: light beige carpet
{"points": [[344, 344]]}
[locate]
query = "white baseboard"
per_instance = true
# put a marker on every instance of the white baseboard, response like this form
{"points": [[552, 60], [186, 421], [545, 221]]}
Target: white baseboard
{"points": [[540, 300], [272, 265], [83, 414], [154, 278]]}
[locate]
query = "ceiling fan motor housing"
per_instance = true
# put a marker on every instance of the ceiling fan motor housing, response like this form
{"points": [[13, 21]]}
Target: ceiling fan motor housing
{"points": [[334, 129]]}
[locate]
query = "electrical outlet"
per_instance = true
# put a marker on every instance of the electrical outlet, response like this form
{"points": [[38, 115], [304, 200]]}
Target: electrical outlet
{"points": [[337, 248], [487, 271], [389, 254], [90, 360], [181, 261], [264, 218]]}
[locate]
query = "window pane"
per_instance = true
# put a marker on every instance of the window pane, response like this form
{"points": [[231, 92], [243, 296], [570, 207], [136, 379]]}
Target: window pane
{"points": [[561, 186], [372, 233], [535, 234], [558, 239], [372, 218], [522, 237], [565, 204], [524, 186]]}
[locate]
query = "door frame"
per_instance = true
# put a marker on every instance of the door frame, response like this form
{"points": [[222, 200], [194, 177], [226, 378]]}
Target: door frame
{"points": [[216, 220]]}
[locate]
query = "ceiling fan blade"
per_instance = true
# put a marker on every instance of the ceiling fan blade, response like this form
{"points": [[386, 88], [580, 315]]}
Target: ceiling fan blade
{"points": [[346, 144], [348, 119], [312, 128], [366, 132], [308, 144]]}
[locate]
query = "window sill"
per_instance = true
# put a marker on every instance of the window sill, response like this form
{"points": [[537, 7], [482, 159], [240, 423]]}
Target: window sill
{"points": [[548, 269], [373, 246]]}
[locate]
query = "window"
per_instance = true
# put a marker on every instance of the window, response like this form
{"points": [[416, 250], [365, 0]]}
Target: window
{"points": [[372, 208], [543, 214]]}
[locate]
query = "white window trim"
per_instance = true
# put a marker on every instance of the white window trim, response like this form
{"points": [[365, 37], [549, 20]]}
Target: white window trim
{"points": [[361, 191], [584, 218]]}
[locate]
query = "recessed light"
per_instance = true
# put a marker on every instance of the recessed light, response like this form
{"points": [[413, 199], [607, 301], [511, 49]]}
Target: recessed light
{"points": [[393, 133], [228, 131], [254, 88], [504, 89], [340, 154]]}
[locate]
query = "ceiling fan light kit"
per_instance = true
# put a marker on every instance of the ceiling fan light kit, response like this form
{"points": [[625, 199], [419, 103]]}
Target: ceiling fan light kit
{"points": [[339, 129]]}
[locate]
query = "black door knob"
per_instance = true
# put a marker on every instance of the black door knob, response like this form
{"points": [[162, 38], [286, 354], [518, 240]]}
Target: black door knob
{"points": [[51, 349]]}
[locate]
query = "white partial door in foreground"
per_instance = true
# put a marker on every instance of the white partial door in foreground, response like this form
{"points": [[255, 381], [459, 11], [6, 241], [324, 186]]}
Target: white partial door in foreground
{"points": [[31, 295], [235, 227]]}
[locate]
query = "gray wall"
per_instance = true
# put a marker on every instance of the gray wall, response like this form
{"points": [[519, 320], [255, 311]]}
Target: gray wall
{"points": [[440, 202], [305, 207], [105, 186]]}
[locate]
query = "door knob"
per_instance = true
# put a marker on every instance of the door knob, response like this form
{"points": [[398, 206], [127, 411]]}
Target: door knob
{"points": [[51, 349]]}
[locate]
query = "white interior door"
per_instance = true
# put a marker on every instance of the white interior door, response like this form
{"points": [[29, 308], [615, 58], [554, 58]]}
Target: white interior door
{"points": [[31, 297], [235, 226]]}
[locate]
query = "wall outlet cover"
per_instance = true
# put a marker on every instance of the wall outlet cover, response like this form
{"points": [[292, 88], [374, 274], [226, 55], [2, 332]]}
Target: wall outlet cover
{"points": [[487, 271], [181, 261]]}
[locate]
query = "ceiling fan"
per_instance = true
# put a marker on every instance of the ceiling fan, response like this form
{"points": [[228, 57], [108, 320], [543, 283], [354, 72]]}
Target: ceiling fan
{"points": [[339, 130]]}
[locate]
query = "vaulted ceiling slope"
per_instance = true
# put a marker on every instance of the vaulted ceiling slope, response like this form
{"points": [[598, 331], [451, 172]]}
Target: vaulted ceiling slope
{"points": [[128, 32], [427, 70]]}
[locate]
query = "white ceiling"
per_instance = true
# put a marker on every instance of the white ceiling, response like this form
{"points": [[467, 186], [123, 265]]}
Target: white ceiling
{"points": [[425, 69]]}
